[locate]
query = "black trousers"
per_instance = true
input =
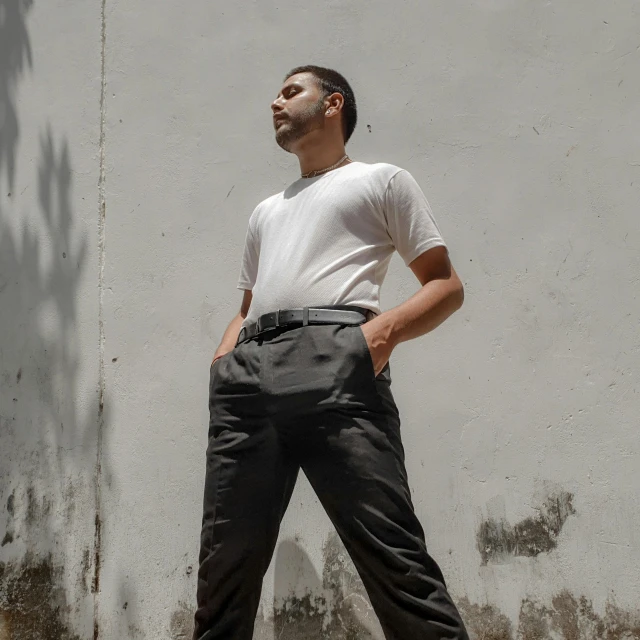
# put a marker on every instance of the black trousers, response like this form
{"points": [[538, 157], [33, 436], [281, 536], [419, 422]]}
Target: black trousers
{"points": [[308, 398]]}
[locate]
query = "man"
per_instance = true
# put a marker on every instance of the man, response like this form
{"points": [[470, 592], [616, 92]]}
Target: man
{"points": [[301, 377]]}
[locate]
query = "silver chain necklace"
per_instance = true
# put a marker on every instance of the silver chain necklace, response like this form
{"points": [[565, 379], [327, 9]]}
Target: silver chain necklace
{"points": [[317, 172]]}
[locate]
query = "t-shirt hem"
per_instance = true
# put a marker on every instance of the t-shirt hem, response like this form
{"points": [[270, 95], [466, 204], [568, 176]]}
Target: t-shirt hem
{"points": [[244, 285]]}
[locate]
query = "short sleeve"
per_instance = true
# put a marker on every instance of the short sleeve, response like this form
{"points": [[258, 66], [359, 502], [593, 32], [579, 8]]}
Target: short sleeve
{"points": [[250, 256], [410, 222]]}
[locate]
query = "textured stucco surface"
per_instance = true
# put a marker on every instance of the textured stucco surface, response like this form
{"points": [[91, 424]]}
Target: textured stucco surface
{"points": [[135, 142], [49, 378]]}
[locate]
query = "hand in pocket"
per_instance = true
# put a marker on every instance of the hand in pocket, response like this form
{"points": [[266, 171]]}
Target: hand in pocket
{"points": [[379, 348]]}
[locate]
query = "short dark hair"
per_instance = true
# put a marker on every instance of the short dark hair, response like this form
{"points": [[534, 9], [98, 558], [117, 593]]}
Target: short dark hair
{"points": [[333, 82]]}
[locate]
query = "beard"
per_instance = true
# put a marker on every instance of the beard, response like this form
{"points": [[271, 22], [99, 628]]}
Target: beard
{"points": [[299, 125]]}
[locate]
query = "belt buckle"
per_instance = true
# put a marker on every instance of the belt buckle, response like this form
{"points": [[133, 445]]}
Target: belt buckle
{"points": [[277, 318]]}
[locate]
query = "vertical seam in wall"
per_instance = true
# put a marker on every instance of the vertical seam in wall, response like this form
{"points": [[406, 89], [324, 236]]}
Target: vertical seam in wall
{"points": [[97, 541]]}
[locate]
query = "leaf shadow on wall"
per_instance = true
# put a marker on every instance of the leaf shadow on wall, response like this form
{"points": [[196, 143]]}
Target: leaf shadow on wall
{"points": [[15, 55], [48, 439]]}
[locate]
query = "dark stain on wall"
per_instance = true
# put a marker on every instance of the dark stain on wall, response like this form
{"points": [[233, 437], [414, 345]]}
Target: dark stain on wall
{"points": [[313, 618], [86, 569], [485, 622], [9, 535], [97, 533], [530, 537], [301, 618], [181, 626], [11, 503], [38, 510], [69, 502], [567, 618], [532, 621], [32, 603], [334, 609], [32, 507], [572, 618], [350, 602]]}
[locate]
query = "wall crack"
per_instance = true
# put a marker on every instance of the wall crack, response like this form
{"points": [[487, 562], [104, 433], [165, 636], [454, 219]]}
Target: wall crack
{"points": [[97, 544]]}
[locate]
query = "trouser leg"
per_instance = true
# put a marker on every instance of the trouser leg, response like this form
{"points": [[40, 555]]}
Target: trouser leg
{"points": [[250, 476], [360, 479], [355, 463]]}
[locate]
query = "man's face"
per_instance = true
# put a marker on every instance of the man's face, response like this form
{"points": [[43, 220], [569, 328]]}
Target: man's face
{"points": [[298, 110]]}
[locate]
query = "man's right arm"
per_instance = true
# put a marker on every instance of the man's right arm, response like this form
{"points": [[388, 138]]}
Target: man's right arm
{"points": [[230, 337]]}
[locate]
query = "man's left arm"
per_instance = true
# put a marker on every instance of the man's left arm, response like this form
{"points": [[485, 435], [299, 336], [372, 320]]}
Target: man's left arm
{"points": [[440, 295]]}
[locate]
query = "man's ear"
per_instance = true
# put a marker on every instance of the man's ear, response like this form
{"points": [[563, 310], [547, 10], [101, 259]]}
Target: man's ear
{"points": [[334, 103]]}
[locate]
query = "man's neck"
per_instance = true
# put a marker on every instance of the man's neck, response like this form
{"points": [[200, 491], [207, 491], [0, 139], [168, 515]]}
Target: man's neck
{"points": [[318, 155]]}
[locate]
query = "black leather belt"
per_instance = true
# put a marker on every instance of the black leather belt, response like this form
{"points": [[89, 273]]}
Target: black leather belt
{"points": [[338, 314]]}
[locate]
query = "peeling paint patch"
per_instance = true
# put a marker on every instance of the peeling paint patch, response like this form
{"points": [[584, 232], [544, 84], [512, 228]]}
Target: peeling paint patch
{"points": [[181, 626], [335, 609], [485, 622], [566, 618], [32, 601], [313, 618], [532, 621], [300, 618], [350, 603], [497, 539], [572, 618]]}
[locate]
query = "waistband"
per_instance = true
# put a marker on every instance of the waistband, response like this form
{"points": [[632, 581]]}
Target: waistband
{"points": [[292, 318]]}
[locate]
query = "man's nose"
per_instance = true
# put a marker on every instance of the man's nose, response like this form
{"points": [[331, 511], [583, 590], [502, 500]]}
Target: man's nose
{"points": [[276, 105]]}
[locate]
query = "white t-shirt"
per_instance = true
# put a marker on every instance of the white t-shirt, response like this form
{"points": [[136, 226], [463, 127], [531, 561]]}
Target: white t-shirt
{"points": [[329, 240]]}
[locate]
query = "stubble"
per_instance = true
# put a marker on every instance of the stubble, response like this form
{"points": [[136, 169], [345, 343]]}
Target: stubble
{"points": [[297, 126]]}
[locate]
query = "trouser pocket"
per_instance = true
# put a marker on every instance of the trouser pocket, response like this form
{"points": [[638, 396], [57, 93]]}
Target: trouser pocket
{"points": [[385, 374]]}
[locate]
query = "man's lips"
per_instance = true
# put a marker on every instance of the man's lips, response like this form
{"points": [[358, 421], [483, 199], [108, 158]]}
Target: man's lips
{"points": [[278, 120]]}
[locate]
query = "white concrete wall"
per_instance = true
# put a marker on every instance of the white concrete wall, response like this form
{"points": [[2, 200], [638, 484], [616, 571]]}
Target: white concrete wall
{"points": [[49, 309], [132, 170]]}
